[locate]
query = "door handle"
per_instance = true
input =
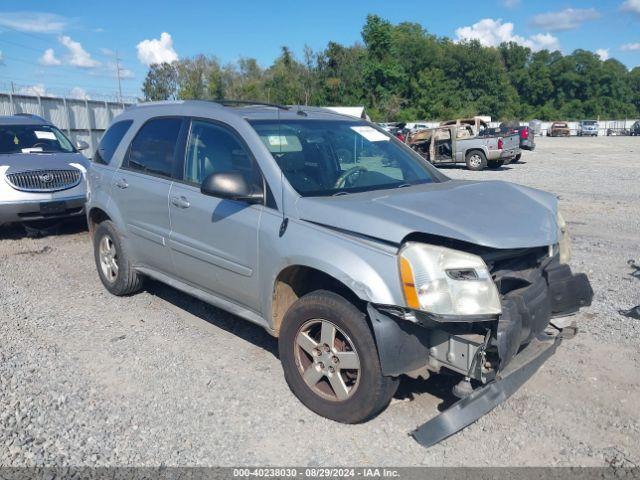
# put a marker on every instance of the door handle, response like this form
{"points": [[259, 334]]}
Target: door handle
{"points": [[180, 202], [122, 183]]}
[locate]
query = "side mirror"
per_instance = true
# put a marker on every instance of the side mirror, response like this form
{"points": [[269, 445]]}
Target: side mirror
{"points": [[81, 145], [231, 185]]}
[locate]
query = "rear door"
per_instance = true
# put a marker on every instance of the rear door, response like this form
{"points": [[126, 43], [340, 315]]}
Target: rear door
{"points": [[214, 241], [141, 190], [100, 170]]}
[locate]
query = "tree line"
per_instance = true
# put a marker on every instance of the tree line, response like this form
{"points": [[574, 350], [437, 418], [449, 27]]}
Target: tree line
{"points": [[403, 73]]}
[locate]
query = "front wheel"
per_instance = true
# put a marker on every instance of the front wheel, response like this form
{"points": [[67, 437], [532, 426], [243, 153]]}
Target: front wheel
{"points": [[330, 360], [113, 262], [476, 160]]}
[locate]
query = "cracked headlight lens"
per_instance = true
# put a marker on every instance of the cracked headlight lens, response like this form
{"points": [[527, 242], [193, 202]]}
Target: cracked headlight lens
{"points": [[444, 281], [564, 242]]}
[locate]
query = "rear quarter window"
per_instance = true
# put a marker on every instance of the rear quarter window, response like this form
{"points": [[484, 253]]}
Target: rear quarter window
{"points": [[110, 141]]}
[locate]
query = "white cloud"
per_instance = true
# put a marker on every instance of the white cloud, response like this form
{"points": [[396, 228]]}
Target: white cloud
{"points": [[510, 3], [603, 53], [491, 33], [35, 22], [49, 58], [631, 6], [78, 56], [542, 41], [157, 50], [630, 47], [36, 90], [567, 19], [79, 92], [124, 72]]}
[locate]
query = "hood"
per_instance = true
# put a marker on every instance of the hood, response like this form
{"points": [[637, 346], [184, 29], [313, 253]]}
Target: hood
{"points": [[490, 213], [24, 162]]}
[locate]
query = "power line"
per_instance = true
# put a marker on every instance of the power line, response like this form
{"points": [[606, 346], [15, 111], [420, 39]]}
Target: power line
{"points": [[45, 41]]}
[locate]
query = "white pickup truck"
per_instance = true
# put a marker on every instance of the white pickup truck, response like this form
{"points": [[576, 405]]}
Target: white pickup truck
{"points": [[460, 143]]}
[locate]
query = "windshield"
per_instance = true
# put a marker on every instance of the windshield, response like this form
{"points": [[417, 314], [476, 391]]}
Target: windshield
{"points": [[33, 139], [328, 157]]}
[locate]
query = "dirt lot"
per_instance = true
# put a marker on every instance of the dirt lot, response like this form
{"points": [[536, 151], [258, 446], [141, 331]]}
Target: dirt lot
{"points": [[160, 378]]}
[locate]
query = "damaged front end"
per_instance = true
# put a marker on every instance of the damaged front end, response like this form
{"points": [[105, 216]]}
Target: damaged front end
{"points": [[497, 352]]}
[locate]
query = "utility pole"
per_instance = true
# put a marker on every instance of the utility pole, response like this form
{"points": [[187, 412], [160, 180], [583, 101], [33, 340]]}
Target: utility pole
{"points": [[118, 74], [13, 90]]}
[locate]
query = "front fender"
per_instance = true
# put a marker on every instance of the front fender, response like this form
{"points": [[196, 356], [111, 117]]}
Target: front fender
{"points": [[366, 268]]}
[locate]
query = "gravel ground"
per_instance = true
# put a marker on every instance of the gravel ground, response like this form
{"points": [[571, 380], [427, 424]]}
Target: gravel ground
{"points": [[160, 378]]}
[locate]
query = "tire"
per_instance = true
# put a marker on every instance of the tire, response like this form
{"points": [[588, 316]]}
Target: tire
{"points": [[475, 160], [517, 158], [108, 249], [496, 163], [364, 392]]}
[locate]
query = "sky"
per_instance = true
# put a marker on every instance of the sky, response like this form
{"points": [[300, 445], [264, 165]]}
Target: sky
{"points": [[70, 47]]}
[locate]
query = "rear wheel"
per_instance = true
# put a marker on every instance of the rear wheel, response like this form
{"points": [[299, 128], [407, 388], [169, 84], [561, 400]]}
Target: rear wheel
{"points": [[330, 359], [113, 262], [476, 160]]}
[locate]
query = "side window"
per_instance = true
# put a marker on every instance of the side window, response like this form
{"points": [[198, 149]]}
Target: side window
{"points": [[110, 141], [152, 150], [212, 149]]}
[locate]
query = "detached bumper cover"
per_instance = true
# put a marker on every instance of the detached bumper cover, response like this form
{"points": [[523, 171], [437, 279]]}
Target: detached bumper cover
{"points": [[484, 399], [530, 299]]}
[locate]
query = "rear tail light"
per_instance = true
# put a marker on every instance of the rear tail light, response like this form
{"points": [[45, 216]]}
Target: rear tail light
{"points": [[499, 144], [524, 133]]}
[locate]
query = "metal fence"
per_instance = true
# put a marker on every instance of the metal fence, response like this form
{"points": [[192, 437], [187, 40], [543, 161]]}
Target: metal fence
{"points": [[80, 119]]}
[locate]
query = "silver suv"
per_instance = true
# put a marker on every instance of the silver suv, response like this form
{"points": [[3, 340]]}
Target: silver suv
{"points": [[365, 261], [42, 174], [587, 128]]}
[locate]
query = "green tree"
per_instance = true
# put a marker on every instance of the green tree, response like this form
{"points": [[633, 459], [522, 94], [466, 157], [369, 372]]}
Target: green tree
{"points": [[161, 82]]}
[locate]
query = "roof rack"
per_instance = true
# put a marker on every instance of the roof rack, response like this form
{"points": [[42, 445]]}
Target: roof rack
{"points": [[224, 101], [32, 115]]}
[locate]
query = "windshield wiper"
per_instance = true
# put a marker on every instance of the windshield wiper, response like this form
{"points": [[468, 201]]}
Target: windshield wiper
{"points": [[402, 185], [339, 192]]}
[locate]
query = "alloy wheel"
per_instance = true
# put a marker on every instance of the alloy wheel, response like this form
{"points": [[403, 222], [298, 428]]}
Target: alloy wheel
{"points": [[108, 258], [327, 360], [475, 160]]}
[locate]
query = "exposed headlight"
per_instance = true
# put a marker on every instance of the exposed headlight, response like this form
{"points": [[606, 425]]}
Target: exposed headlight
{"points": [[447, 282], [564, 242]]}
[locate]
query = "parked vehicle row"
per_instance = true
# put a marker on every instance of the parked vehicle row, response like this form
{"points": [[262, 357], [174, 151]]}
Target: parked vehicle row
{"points": [[365, 261]]}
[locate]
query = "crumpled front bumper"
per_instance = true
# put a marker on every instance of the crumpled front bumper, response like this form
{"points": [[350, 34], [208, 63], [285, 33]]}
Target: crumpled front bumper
{"points": [[482, 400], [514, 346]]}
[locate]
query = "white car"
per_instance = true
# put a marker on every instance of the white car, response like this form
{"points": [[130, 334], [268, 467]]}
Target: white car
{"points": [[42, 174]]}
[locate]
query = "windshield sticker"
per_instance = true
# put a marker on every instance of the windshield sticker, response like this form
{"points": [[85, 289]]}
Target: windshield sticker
{"points": [[32, 150], [370, 133], [277, 140], [42, 135]]}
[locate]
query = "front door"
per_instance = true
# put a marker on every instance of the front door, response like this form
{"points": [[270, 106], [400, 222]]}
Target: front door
{"points": [[214, 241], [141, 190]]}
